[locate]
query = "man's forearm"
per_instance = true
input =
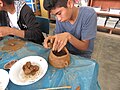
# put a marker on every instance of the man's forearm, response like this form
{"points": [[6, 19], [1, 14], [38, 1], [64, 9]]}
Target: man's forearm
{"points": [[79, 44], [16, 32]]}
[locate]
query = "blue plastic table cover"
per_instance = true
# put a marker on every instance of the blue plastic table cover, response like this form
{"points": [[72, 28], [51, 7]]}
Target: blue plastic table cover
{"points": [[81, 72]]}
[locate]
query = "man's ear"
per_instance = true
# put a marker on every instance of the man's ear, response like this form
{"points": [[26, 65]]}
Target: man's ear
{"points": [[70, 3], [1, 3]]}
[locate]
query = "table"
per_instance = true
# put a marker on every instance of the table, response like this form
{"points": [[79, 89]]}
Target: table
{"points": [[81, 72]]}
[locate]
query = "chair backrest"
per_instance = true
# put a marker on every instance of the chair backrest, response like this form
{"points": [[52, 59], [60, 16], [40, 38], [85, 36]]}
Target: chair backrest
{"points": [[44, 22]]}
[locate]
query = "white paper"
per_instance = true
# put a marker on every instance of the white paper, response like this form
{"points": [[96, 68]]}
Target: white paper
{"points": [[101, 21]]}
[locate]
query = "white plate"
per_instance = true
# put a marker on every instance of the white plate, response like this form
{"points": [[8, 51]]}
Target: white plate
{"points": [[4, 79], [17, 75]]}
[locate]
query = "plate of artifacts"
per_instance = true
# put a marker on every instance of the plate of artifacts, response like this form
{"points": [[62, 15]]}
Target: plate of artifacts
{"points": [[28, 70]]}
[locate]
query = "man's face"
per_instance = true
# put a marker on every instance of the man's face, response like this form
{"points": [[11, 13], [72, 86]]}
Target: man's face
{"points": [[62, 14], [1, 5]]}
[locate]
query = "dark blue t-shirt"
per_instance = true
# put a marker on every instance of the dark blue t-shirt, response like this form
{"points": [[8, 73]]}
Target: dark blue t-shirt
{"points": [[84, 28]]}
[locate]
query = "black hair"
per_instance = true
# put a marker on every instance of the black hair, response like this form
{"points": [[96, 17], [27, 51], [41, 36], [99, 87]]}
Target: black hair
{"points": [[8, 2], [52, 4]]}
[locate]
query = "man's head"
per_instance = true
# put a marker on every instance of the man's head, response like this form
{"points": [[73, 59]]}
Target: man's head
{"points": [[3, 3], [8, 2], [62, 9], [52, 4]]}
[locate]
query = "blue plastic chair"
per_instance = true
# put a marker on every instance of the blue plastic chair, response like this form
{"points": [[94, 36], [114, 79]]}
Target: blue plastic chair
{"points": [[44, 24]]}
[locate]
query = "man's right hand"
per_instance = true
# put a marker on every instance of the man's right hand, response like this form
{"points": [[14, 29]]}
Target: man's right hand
{"points": [[48, 42]]}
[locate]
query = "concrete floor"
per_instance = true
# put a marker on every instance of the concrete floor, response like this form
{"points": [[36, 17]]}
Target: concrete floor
{"points": [[107, 54]]}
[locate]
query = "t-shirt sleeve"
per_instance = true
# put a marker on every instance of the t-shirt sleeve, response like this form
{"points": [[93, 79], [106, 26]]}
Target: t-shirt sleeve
{"points": [[89, 27]]}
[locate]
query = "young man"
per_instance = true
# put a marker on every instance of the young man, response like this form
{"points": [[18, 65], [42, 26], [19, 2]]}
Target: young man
{"points": [[75, 27], [17, 19]]}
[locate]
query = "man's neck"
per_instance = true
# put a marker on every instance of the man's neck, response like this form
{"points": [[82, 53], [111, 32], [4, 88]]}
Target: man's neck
{"points": [[74, 15], [10, 9]]}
